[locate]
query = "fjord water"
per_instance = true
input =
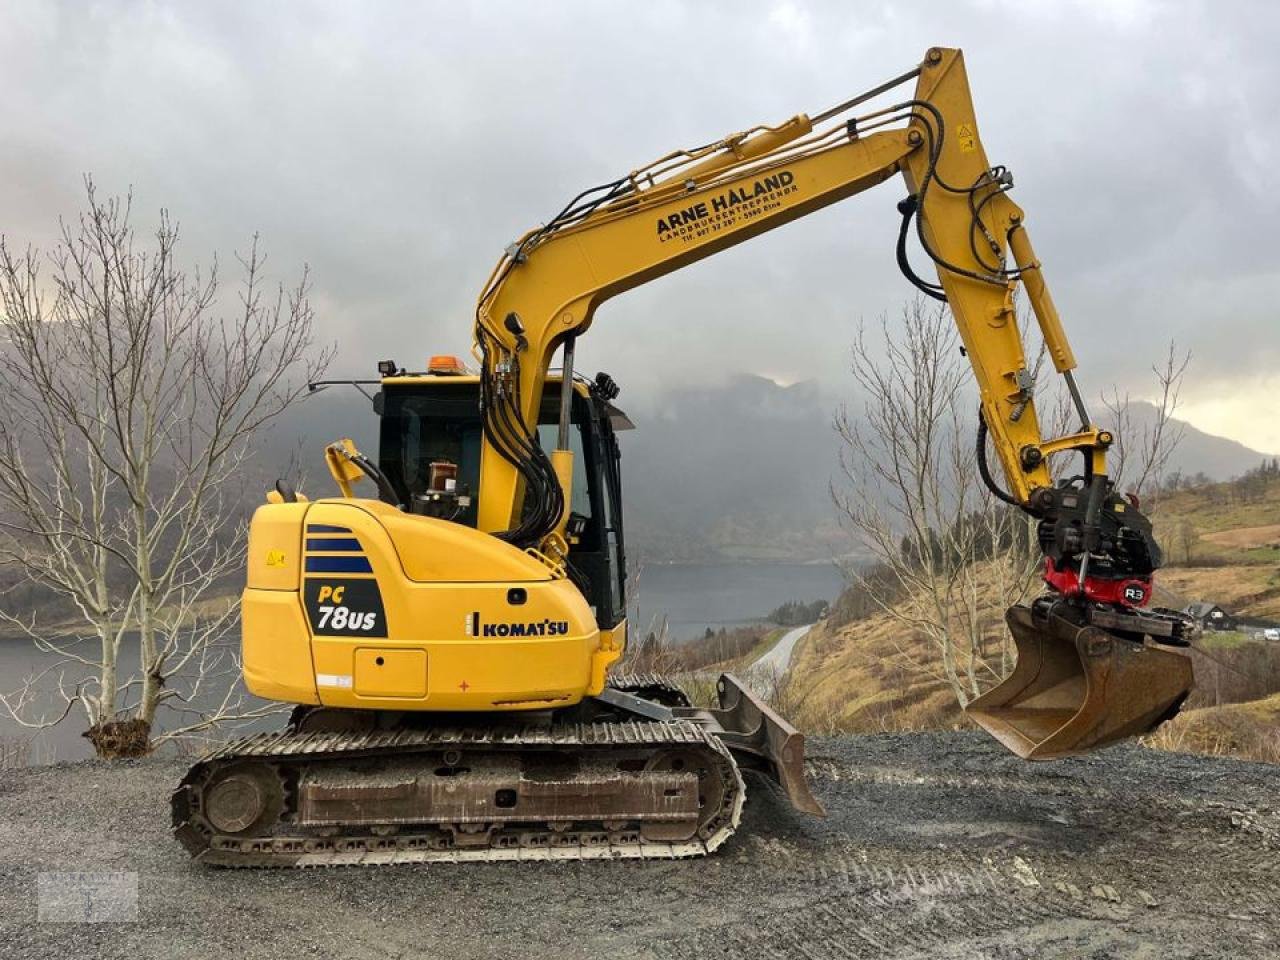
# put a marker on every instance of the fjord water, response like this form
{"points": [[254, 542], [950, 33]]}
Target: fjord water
{"points": [[693, 597]]}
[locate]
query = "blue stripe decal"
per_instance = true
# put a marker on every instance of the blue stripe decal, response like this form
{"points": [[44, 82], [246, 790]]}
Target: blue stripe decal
{"points": [[337, 544], [326, 528], [338, 565]]}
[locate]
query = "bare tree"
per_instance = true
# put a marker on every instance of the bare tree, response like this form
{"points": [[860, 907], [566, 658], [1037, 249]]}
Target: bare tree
{"points": [[949, 553], [134, 392], [949, 556], [1188, 538], [1139, 459]]}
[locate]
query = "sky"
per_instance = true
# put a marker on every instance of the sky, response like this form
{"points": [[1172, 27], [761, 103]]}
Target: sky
{"points": [[396, 148]]}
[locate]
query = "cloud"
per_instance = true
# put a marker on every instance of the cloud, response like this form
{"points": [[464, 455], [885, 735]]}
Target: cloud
{"points": [[1237, 410], [398, 147]]}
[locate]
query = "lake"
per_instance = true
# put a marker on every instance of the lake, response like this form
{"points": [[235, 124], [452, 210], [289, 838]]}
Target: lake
{"points": [[19, 659], [694, 597], [691, 597]]}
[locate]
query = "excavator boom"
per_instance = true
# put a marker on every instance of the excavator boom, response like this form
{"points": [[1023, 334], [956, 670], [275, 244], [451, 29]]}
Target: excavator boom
{"points": [[689, 205]]}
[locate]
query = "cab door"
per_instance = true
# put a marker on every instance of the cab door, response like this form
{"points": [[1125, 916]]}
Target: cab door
{"points": [[596, 553]]}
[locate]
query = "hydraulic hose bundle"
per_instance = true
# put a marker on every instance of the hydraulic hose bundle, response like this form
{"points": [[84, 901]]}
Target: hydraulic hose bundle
{"points": [[518, 445]]}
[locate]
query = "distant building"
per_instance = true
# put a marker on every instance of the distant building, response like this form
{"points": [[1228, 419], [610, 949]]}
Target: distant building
{"points": [[1211, 616]]}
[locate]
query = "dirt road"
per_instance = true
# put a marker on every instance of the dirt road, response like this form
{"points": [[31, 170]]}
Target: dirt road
{"points": [[776, 661], [936, 846]]}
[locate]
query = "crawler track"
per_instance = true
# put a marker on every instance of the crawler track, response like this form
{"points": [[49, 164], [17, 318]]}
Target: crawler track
{"points": [[280, 798]]}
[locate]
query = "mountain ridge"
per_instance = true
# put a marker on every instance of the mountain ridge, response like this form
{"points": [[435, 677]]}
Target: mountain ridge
{"points": [[737, 471]]}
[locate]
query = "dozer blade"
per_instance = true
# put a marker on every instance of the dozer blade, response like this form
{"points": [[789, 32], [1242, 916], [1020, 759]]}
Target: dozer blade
{"points": [[1078, 688], [759, 739]]}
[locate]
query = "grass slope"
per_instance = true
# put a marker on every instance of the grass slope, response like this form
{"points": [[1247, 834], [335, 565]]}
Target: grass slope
{"points": [[1249, 731]]}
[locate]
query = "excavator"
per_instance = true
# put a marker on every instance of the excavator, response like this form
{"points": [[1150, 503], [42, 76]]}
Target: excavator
{"points": [[451, 645]]}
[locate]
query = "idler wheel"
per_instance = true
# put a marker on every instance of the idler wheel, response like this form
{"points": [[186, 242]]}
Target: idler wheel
{"points": [[243, 799]]}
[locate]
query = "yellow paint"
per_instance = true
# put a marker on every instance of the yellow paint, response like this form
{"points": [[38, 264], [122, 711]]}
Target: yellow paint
{"points": [[433, 577], [612, 645], [573, 270], [343, 471], [331, 594], [276, 647], [562, 463], [275, 534], [435, 551], [389, 672]]}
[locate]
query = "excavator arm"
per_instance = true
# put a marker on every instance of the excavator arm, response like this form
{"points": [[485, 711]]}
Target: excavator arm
{"points": [[1089, 670]]}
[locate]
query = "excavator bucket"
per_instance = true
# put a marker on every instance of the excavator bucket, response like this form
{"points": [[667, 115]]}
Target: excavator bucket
{"points": [[759, 739], [1078, 688]]}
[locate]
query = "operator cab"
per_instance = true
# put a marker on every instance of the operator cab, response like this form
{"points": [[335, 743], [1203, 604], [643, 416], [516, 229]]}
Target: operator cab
{"points": [[430, 445]]}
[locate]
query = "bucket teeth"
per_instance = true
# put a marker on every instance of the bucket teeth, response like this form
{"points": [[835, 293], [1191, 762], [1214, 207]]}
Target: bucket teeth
{"points": [[1077, 688]]}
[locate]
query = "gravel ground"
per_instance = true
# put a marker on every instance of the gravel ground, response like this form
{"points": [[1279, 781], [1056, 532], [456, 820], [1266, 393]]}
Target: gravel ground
{"points": [[936, 845]]}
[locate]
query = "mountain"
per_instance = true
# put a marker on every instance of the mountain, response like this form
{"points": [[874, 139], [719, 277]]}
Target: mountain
{"points": [[742, 471], [737, 471], [294, 444], [734, 472], [1197, 452]]}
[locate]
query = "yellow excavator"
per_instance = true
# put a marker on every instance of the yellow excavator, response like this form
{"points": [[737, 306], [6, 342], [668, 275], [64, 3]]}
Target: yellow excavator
{"points": [[448, 643]]}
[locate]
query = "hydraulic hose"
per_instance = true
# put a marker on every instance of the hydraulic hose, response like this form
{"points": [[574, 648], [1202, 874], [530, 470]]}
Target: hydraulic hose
{"points": [[907, 207], [984, 469]]}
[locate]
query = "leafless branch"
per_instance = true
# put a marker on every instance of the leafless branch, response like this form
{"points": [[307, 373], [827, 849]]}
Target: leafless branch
{"points": [[135, 393]]}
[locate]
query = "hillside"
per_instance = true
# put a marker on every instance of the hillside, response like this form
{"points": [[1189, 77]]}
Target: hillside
{"points": [[1250, 590], [870, 674], [867, 677], [1235, 521], [1250, 729], [1222, 544]]}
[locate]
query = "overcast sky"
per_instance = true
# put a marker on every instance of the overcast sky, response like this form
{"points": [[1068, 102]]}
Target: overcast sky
{"points": [[397, 148]]}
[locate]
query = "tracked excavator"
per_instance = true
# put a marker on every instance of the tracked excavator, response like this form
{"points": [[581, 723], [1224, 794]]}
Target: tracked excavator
{"points": [[451, 643]]}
